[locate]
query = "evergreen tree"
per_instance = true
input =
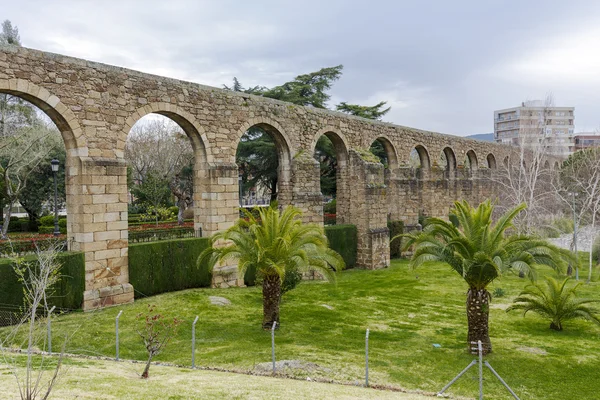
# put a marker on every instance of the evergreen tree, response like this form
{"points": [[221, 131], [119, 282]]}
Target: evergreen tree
{"points": [[369, 112], [10, 34]]}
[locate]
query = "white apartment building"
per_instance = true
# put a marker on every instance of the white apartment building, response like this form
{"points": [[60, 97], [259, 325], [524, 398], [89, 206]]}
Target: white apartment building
{"points": [[535, 124]]}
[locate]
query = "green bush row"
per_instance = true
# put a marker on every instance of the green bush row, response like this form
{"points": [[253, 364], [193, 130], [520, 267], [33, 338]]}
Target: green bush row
{"points": [[68, 292], [167, 266]]}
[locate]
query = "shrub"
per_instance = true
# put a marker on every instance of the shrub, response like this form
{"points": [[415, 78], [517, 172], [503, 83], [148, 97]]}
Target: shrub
{"points": [[330, 208], [167, 266], [67, 293], [47, 220], [188, 213], [136, 209], [163, 214], [343, 239], [50, 229], [499, 292], [596, 249], [396, 228], [563, 224], [174, 210], [556, 302]]}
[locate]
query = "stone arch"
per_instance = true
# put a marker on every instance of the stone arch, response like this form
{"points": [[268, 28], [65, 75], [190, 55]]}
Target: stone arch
{"points": [[556, 165], [340, 143], [184, 119], [200, 146], [272, 127], [283, 146], [75, 145], [64, 119], [390, 151], [491, 161], [450, 156], [506, 162], [546, 165], [423, 156], [342, 173], [472, 159]]}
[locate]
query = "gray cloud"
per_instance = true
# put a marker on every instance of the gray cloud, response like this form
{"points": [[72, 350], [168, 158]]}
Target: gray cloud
{"points": [[443, 66]]}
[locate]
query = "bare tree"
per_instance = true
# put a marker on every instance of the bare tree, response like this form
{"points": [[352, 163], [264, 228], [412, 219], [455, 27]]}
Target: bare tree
{"points": [[37, 277], [155, 334], [578, 187], [526, 177], [161, 147]]}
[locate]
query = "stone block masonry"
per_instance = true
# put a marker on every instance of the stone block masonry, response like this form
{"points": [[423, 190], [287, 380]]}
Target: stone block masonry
{"points": [[95, 106]]}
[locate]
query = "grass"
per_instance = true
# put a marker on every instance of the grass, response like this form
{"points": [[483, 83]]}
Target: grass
{"points": [[406, 311], [93, 379]]}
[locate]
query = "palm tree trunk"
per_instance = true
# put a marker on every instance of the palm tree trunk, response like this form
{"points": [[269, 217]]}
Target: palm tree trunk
{"points": [[271, 298], [478, 311]]}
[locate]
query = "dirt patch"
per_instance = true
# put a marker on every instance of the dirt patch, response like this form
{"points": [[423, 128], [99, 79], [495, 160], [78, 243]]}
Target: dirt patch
{"points": [[289, 367], [533, 350]]}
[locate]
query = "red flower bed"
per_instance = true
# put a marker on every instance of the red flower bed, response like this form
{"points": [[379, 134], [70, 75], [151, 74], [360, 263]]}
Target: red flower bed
{"points": [[329, 219], [29, 242]]}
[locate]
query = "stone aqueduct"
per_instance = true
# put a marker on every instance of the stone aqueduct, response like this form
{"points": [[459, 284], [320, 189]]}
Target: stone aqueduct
{"points": [[95, 106]]}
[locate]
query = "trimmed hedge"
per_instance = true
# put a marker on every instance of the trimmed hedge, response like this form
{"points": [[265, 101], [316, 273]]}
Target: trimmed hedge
{"points": [[68, 292], [167, 266], [344, 240], [396, 228]]}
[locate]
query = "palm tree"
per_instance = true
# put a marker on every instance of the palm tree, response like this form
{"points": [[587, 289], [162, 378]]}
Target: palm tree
{"points": [[480, 251], [274, 244], [555, 301]]}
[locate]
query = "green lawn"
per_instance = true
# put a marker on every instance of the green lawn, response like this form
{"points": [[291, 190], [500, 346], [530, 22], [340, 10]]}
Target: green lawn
{"points": [[407, 312]]}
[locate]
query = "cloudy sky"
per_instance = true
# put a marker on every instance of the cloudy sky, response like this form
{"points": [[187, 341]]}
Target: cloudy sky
{"points": [[442, 65]]}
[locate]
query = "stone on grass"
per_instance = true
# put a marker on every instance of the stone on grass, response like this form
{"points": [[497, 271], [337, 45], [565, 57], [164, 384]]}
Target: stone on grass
{"points": [[219, 301]]}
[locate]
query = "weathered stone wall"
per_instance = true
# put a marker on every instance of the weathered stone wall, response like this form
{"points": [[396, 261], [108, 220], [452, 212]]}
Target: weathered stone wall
{"points": [[95, 106]]}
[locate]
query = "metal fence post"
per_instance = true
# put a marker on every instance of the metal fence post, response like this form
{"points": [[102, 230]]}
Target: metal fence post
{"points": [[273, 344], [49, 329], [480, 350], [194, 343], [367, 359], [117, 333]]}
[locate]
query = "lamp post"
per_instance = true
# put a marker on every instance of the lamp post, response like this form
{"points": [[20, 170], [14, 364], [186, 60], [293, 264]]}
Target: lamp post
{"points": [[54, 164], [573, 195]]}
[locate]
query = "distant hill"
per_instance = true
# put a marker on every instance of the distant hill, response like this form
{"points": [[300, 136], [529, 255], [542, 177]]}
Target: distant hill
{"points": [[484, 137]]}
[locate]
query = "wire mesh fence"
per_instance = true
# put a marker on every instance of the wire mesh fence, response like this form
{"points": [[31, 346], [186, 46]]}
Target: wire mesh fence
{"points": [[10, 316]]}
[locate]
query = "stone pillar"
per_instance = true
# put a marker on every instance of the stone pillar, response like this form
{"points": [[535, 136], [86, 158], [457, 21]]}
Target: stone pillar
{"points": [[97, 190], [343, 194], [216, 197], [406, 201], [216, 208], [368, 211], [306, 188]]}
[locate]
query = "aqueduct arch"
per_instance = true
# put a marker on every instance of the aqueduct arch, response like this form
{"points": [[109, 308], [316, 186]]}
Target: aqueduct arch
{"points": [[95, 105]]}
